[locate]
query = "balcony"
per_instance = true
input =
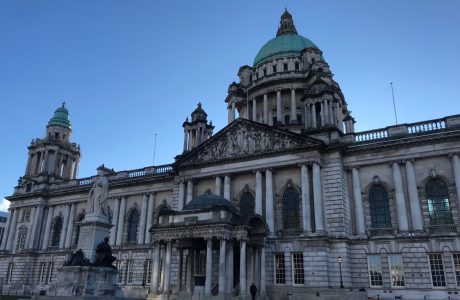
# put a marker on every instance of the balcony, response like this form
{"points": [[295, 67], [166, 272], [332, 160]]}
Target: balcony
{"points": [[440, 230], [381, 232]]}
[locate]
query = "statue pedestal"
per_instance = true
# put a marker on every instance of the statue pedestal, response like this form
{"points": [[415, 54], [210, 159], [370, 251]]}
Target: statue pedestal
{"points": [[86, 282], [93, 229]]}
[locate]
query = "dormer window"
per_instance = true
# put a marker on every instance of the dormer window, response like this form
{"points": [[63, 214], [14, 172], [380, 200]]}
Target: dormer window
{"points": [[274, 69], [265, 72], [285, 66], [297, 66], [56, 135]]}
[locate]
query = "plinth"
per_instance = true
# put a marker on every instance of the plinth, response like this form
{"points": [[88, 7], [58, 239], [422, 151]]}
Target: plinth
{"points": [[93, 229]]}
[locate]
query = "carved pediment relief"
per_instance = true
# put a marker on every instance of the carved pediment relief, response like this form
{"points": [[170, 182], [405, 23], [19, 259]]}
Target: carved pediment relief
{"points": [[245, 138]]}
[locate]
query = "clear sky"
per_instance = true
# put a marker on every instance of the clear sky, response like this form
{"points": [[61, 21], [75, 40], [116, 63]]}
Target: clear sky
{"points": [[130, 69]]}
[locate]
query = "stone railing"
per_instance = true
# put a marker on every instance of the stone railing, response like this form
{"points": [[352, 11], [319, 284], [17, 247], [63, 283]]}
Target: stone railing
{"points": [[434, 125], [446, 229], [382, 231], [85, 181], [285, 233], [136, 173]]}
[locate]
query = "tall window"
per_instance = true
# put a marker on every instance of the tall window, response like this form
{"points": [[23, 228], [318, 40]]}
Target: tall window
{"points": [[437, 270], [280, 271], [438, 202], [247, 204], [375, 270], [9, 272], [297, 266], [21, 240], [77, 231], [56, 232], [129, 271], [42, 274], [147, 271], [120, 273], [50, 272], [456, 259], [291, 208], [396, 270], [132, 226], [201, 263], [380, 208]]}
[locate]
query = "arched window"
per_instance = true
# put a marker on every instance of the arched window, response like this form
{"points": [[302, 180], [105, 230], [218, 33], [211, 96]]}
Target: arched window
{"points": [[77, 231], [56, 232], [380, 207], [291, 208], [132, 226], [247, 204], [438, 202]]}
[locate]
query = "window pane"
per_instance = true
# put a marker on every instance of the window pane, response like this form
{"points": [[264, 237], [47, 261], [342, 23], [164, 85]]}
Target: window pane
{"points": [[438, 202], [396, 270], [297, 265], [291, 209], [456, 258], [380, 208], [280, 274], [247, 204], [437, 270], [133, 223], [375, 270]]}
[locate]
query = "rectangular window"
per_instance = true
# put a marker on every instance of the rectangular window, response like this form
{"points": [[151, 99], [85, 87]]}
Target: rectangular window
{"points": [[9, 272], [285, 66], [456, 260], [50, 272], [395, 262], [375, 270], [274, 69], [2, 231], [21, 241], [120, 273], [297, 66], [280, 272], [265, 72], [42, 275], [129, 271], [297, 266], [437, 270], [201, 263]]}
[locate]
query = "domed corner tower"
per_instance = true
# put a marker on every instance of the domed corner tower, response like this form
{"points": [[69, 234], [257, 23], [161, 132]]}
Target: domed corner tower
{"points": [[198, 130], [290, 85], [52, 159]]}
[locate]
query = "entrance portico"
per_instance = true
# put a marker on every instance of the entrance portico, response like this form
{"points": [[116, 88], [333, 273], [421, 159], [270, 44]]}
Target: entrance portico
{"points": [[218, 253]]}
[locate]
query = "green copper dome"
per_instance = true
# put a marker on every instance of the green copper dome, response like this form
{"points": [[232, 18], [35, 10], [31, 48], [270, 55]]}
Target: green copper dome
{"points": [[286, 43], [60, 118], [283, 45]]}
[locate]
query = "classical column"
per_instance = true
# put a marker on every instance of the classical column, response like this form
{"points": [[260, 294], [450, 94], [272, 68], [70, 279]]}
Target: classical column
{"points": [[189, 275], [359, 215], [229, 267], [233, 109], [456, 168], [180, 198], [29, 232], [189, 191], [262, 271], [269, 200], [207, 285], [167, 268], [229, 113], [12, 230], [223, 246], [185, 139], [150, 209], [293, 107], [227, 187], [307, 116], [306, 210], [258, 206], [254, 109], [189, 142], [68, 238], [323, 114], [326, 112], [399, 195], [265, 109], [7, 229], [313, 116], [143, 220], [113, 230], [45, 162], [46, 236], [318, 198], [279, 109], [417, 221], [156, 268], [197, 137], [218, 188], [243, 267], [64, 227], [121, 221]]}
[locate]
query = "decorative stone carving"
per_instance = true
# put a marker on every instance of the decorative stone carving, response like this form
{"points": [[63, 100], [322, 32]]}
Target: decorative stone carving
{"points": [[98, 195]]}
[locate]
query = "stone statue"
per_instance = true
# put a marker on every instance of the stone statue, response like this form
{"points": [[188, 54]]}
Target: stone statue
{"points": [[104, 256], [98, 195]]}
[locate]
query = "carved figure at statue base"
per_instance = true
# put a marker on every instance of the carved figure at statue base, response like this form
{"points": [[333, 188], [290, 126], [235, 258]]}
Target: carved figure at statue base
{"points": [[104, 257]]}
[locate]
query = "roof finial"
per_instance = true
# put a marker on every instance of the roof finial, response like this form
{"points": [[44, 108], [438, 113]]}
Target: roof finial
{"points": [[199, 104], [286, 24], [63, 103]]}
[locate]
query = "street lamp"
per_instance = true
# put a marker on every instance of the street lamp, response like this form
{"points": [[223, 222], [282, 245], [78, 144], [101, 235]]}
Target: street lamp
{"points": [[340, 261]]}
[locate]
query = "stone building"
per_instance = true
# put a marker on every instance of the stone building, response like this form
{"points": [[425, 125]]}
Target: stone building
{"points": [[287, 196]]}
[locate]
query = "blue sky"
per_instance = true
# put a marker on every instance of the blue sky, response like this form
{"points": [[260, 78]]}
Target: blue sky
{"points": [[130, 69]]}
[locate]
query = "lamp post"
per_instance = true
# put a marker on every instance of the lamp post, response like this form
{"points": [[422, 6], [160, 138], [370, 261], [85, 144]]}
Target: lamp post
{"points": [[340, 261]]}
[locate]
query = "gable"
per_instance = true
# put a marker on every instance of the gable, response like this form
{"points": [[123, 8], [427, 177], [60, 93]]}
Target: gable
{"points": [[244, 139]]}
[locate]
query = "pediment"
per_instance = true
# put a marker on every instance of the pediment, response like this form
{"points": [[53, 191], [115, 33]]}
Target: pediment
{"points": [[244, 139]]}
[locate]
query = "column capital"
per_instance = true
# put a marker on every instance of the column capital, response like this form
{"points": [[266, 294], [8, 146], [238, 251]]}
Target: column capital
{"points": [[399, 162], [453, 154], [350, 168]]}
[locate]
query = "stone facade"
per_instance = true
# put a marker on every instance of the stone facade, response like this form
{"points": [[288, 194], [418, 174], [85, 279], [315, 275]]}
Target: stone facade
{"points": [[277, 198]]}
